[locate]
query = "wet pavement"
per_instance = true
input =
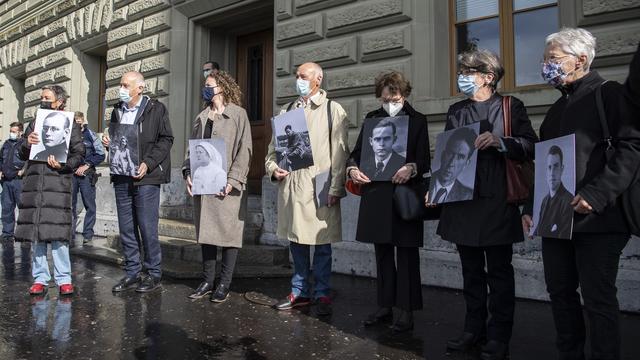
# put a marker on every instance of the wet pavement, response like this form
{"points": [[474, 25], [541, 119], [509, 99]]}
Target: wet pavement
{"points": [[96, 324]]}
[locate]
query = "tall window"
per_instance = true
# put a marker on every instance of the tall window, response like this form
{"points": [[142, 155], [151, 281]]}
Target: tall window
{"points": [[513, 29]]}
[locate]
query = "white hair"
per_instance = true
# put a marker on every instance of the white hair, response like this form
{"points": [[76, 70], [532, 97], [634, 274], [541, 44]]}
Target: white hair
{"points": [[574, 41]]}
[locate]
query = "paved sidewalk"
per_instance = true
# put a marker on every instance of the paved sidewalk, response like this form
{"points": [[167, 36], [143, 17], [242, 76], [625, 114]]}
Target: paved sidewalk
{"points": [[95, 324]]}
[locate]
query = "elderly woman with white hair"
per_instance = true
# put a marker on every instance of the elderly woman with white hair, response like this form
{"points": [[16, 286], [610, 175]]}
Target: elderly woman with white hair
{"points": [[605, 167]]}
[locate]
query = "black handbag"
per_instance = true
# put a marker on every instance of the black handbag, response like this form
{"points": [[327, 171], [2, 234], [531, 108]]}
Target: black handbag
{"points": [[630, 197], [408, 201]]}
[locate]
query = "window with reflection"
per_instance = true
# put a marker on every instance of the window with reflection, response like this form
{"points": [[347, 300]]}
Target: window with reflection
{"points": [[514, 29]]}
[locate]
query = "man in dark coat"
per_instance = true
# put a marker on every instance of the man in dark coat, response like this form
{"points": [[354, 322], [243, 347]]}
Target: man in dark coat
{"points": [[56, 128], [138, 197], [11, 179], [45, 203], [556, 213], [455, 157], [385, 161]]}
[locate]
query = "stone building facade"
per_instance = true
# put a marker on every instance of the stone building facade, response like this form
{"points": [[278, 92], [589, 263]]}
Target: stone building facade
{"points": [[87, 45]]}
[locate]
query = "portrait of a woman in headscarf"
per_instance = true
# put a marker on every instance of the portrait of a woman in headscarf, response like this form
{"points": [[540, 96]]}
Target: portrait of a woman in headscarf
{"points": [[208, 177]]}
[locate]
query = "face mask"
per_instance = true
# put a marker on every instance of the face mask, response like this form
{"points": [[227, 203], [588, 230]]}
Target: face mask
{"points": [[392, 108], [207, 94], [206, 73], [13, 136], [553, 73], [303, 87], [124, 95], [467, 84], [47, 105]]}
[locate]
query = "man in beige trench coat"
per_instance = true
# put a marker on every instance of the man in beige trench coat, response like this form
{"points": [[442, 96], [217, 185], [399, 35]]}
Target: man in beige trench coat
{"points": [[300, 219]]}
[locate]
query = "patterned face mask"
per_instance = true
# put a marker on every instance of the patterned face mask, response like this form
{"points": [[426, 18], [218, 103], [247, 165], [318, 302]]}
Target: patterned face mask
{"points": [[553, 73]]}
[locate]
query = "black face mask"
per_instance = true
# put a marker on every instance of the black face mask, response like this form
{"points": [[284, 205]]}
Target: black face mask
{"points": [[47, 105]]}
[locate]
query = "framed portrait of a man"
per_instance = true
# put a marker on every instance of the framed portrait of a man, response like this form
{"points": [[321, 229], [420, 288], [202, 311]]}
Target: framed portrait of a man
{"points": [[292, 143], [54, 129], [208, 161], [384, 149], [123, 149], [453, 170], [555, 184]]}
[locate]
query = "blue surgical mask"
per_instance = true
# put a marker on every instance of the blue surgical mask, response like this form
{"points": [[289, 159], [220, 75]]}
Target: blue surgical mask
{"points": [[13, 136], [467, 84], [553, 73], [124, 95], [208, 93], [303, 87]]}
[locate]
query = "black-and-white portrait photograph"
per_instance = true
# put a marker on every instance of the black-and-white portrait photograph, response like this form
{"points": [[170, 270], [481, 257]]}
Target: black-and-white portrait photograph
{"points": [[555, 184], [293, 147], [453, 171], [386, 151], [54, 129], [208, 162], [123, 149]]}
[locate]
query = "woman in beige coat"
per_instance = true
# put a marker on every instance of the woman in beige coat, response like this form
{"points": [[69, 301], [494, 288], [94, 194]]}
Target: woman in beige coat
{"points": [[219, 218]]}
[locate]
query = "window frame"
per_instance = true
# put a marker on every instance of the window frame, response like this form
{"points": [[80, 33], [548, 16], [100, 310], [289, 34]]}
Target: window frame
{"points": [[505, 17]]}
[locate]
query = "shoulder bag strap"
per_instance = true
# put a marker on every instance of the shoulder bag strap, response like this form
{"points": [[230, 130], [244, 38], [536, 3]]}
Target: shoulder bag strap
{"points": [[290, 106], [606, 134], [506, 115], [330, 120]]}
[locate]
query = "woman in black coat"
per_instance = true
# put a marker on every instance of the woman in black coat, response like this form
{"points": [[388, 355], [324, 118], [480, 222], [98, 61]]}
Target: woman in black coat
{"points": [[485, 228], [590, 259], [378, 222], [45, 215]]}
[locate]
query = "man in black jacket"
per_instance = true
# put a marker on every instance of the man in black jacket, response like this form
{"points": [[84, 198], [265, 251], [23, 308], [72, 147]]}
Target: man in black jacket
{"points": [[11, 179], [138, 197]]}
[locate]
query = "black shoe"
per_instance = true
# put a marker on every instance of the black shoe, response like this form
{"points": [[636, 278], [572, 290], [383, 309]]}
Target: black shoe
{"points": [[323, 306], [292, 301], [403, 323], [494, 350], [148, 283], [86, 241], [127, 283], [464, 342], [203, 290], [221, 294], [382, 316]]}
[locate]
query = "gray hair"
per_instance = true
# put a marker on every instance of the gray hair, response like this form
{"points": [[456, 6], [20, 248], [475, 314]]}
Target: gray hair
{"points": [[484, 61], [575, 41], [59, 92]]}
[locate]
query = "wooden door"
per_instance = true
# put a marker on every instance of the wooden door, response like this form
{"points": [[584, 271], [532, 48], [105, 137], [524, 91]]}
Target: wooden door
{"points": [[255, 77]]}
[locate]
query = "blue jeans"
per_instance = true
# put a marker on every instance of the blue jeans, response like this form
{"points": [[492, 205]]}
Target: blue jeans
{"points": [[61, 263], [11, 190], [88, 192], [138, 212], [301, 268]]}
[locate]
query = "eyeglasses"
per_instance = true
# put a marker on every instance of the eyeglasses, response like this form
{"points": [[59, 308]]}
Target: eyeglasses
{"points": [[555, 59], [468, 72]]}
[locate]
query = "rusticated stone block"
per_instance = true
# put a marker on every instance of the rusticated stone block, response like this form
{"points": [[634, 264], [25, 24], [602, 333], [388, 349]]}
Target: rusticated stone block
{"points": [[141, 48], [30, 113], [59, 58], [360, 80], [34, 66], [385, 44], [57, 26], [141, 8], [32, 52], [30, 83], [65, 5], [307, 6], [45, 77], [351, 108], [38, 36], [155, 65], [75, 26], [115, 73], [119, 16], [329, 53], [107, 15], [88, 19], [47, 15], [63, 73], [29, 24], [46, 45], [111, 95], [618, 41], [367, 15], [157, 22], [283, 62], [595, 7], [32, 96], [284, 9], [285, 88], [124, 33], [150, 86], [300, 30], [164, 41], [162, 87], [116, 55]]}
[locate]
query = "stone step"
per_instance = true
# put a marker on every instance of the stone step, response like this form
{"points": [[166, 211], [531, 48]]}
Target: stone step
{"points": [[184, 229], [179, 269]]}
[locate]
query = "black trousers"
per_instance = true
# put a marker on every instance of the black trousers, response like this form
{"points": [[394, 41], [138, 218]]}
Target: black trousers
{"points": [[588, 261], [501, 297], [399, 285], [209, 255]]}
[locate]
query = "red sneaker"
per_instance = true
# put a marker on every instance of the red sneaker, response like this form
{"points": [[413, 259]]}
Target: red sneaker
{"points": [[37, 289], [66, 289]]}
